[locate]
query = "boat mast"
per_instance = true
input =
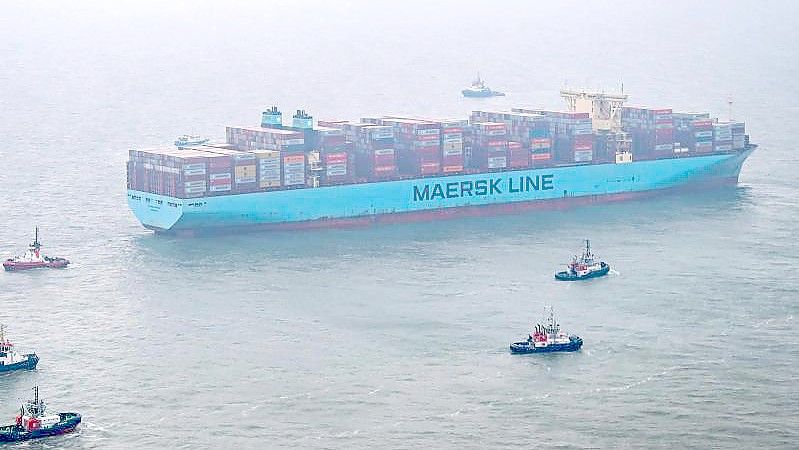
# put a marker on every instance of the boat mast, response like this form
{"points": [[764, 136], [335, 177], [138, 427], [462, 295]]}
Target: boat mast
{"points": [[36, 239]]}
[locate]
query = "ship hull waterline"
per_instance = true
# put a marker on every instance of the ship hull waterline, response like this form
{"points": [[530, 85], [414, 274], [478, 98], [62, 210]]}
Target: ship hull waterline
{"points": [[435, 198]]}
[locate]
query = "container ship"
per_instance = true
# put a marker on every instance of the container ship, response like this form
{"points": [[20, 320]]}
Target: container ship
{"points": [[326, 173]]}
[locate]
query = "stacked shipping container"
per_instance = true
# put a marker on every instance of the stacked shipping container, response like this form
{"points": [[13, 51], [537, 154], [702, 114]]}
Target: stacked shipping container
{"points": [[452, 151], [257, 138], [274, 156], [702, 136], [268, 168], [652, 131], [573, 136], [417, 145], [490, 147], [738, 135], [684, 138]]}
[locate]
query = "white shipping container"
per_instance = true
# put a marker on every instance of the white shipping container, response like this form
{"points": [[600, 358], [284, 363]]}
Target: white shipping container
{"points": [[452, 137], [246, 180], [583, 155], [428, 132], [294, 180], [452, 151], [219, 188], [331, 132], [219, 176], [497, 162], [724, 147], [664, 147], [382, 133], [194, 184], [384, 152], [334, 170], [194, 169]]}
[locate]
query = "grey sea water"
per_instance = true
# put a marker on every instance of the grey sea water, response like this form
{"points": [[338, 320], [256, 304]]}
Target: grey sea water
{"points": [[396, 336]]}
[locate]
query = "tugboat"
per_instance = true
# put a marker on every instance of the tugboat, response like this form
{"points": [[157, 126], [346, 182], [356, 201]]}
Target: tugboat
{"points": [[548, 338], [187, 140], [33, 259], [479, 89], [584, 267], [32, 422], [11, 360]]}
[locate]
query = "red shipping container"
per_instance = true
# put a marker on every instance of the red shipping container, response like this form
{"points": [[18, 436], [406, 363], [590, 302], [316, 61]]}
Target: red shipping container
{"points": [[332, 158], [429, 168], [518, 158]]}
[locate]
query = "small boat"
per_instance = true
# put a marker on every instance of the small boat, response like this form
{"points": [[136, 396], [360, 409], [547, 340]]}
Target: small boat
{"points": [[585, 267], [33, 259], [10, 359], [33, 422], [479, 89], [187, 140], [547, 338]]}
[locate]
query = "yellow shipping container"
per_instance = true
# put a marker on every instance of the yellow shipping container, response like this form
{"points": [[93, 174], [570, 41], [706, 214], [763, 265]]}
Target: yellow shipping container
{"points": [[245, 171], [266, 154]]}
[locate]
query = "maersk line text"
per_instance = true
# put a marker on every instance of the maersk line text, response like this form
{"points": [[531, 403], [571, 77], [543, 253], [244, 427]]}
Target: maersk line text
{"points": [[490, 186]]}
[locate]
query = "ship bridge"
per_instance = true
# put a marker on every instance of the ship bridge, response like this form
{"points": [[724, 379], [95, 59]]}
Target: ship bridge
{"points": [[603, 108]]}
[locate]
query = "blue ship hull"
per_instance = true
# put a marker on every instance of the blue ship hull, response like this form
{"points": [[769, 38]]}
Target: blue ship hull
{"points": [[14, 433], [525, 347], [568, 276], [28, 364], [434, 197]]}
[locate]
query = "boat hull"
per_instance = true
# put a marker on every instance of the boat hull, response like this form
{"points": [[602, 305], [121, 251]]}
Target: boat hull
{"points": [[462, 195], [28, 364], [567, 276], [13, 433], [481, 94], [525, 347], [11, 265]]}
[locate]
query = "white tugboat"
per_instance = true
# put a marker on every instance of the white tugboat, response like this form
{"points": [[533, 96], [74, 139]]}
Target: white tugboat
{"points": [[11, 360], [479, 89], [33, 422]]}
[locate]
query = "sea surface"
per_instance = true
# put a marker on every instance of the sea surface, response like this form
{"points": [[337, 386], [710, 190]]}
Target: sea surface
{"points": [[396, 336]]}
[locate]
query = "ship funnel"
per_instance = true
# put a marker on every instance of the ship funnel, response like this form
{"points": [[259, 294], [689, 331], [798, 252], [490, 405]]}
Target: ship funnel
{"points": [[302, 120], [272, 118]]}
